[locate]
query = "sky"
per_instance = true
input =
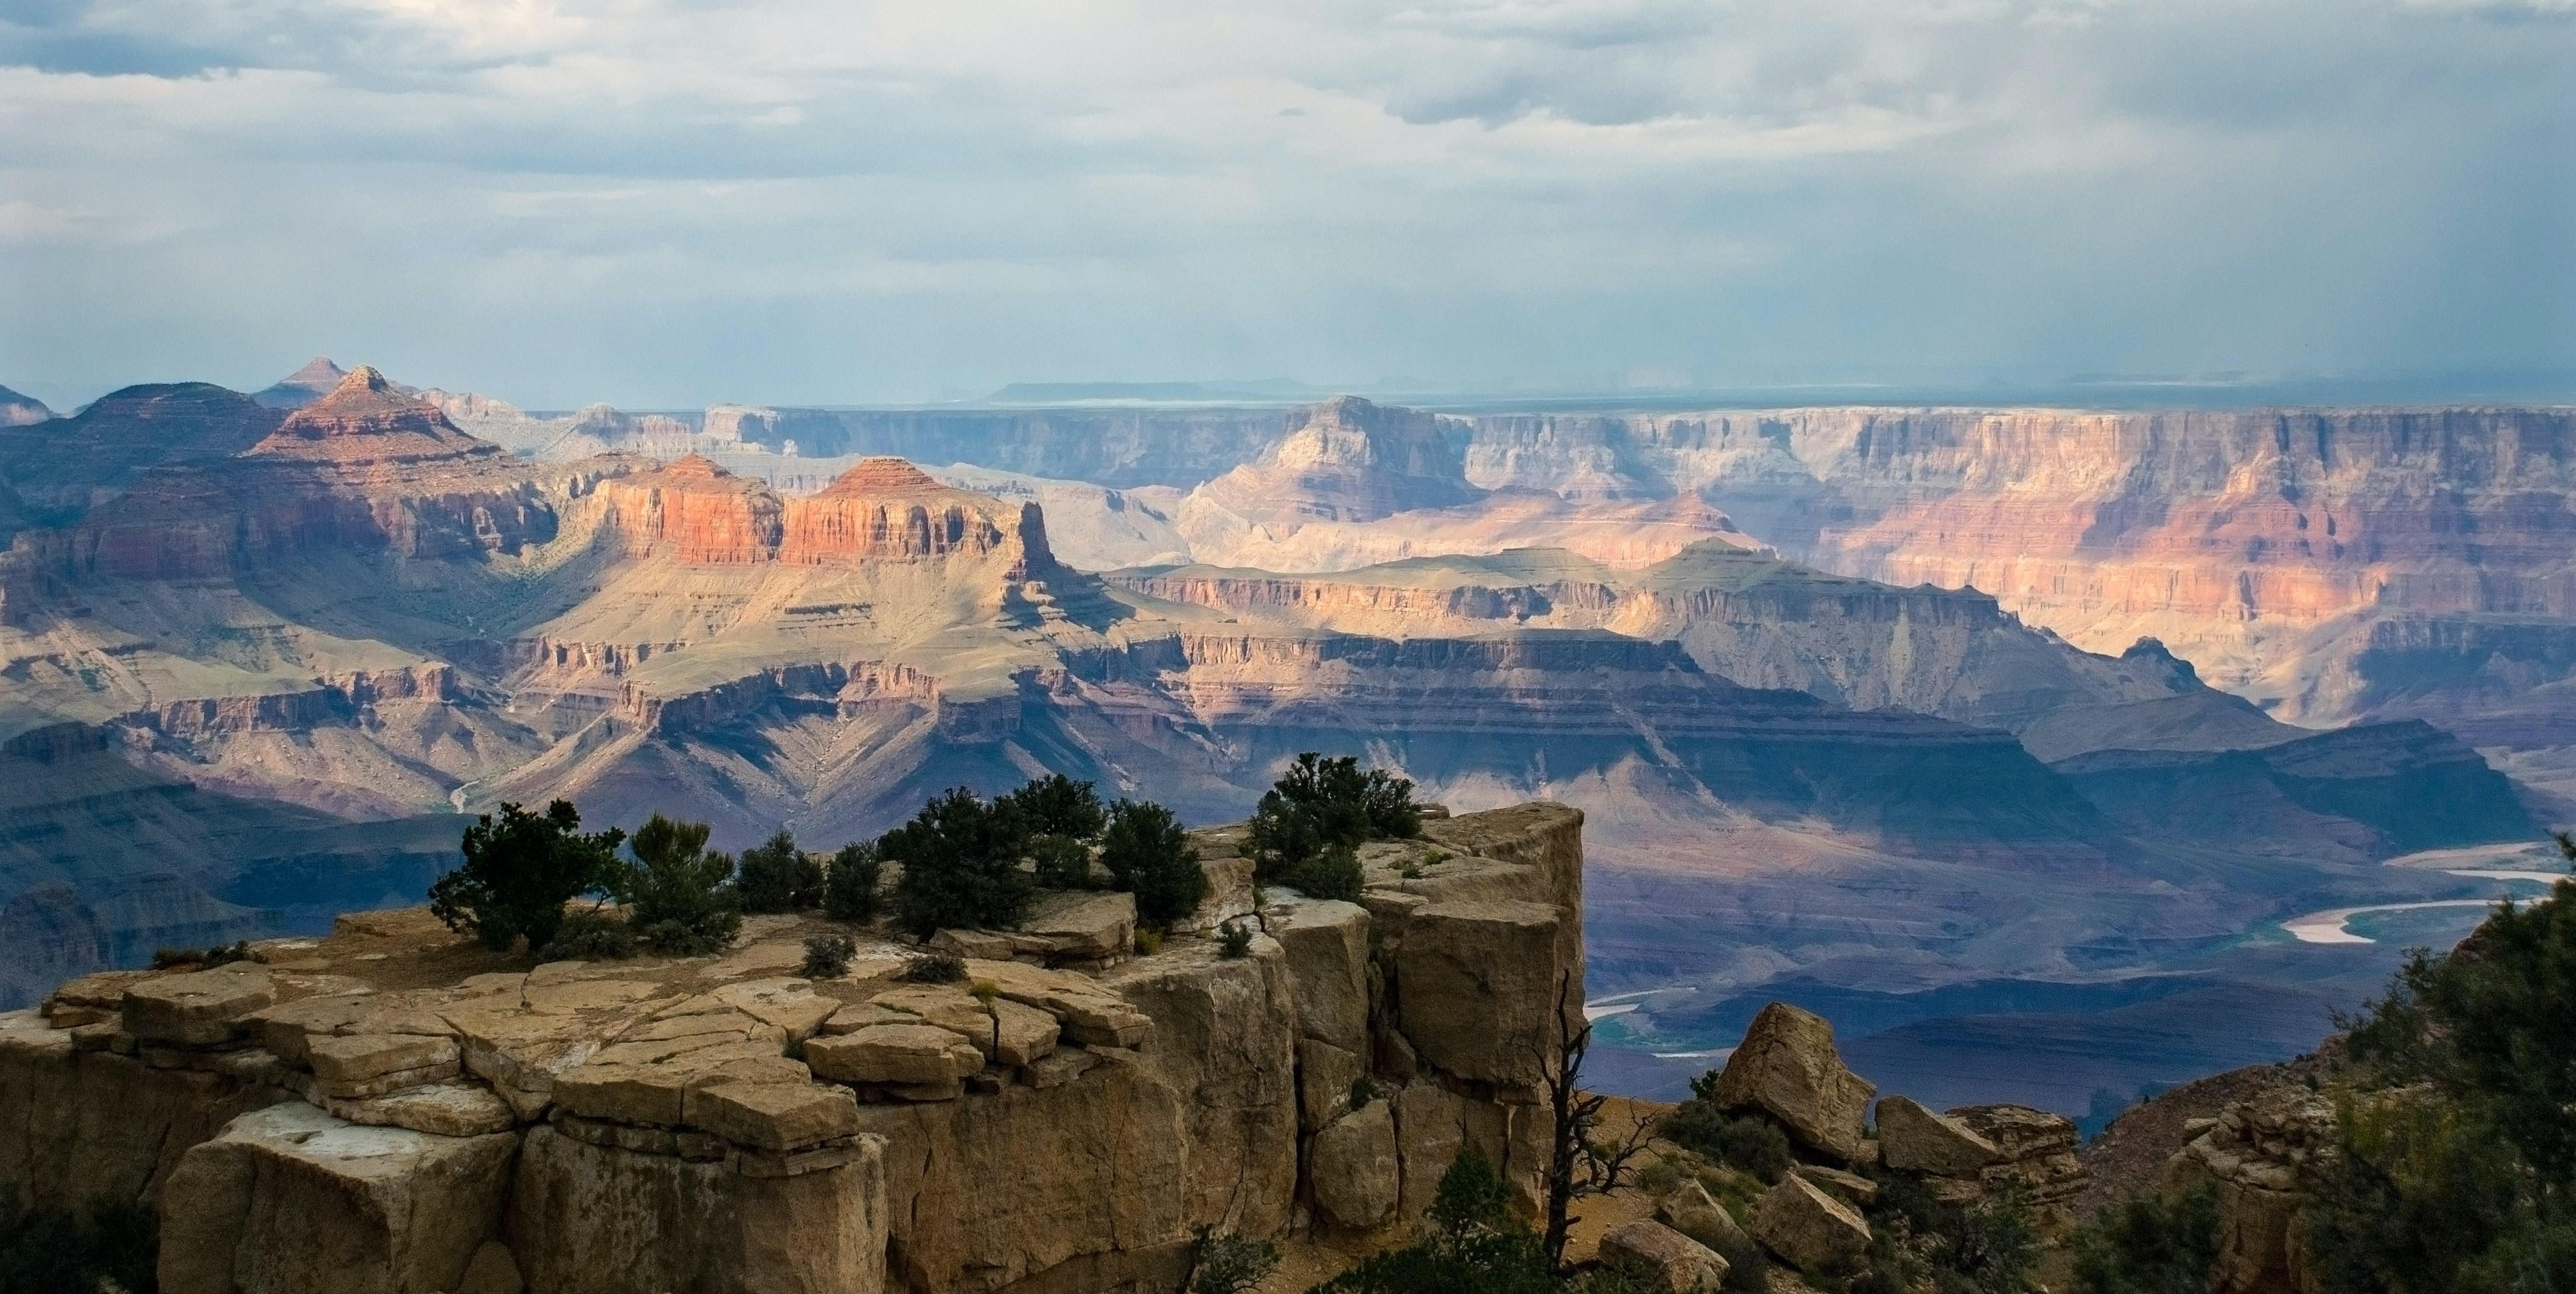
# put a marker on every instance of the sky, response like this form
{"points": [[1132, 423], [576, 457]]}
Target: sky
{"points": [[662, 203]]}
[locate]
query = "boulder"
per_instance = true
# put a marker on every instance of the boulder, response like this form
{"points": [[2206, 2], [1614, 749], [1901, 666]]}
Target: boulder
{"points": [[1352, 1168], [1689, 1210], [2035, 1156], [199, 1008], [1808, 1228], [1327, 943], [1850, 1188], [1912, 1139], [520, 1052], [1787, 1068], [289, 1200], [1662, 1258], [1008, 1032], [1476, 988], [988, 945], [922, 1059], [1085, 925]]}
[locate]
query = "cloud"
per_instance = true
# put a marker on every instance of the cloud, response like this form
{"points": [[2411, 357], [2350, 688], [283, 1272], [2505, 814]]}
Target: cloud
{"points": [[669, 201]]}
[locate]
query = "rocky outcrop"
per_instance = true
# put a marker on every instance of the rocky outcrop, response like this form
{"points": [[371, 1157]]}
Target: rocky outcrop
{"points": [[1346, 460], [1787, 1069], [372, 1112], [303, 386], [21, 410], [2257, 1155]]}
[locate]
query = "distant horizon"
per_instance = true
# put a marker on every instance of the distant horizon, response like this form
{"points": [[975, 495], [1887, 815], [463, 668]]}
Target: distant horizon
{"points": [[2110, 393]]}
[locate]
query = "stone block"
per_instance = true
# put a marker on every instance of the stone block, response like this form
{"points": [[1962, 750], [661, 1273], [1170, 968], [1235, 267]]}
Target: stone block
{"points": [[791, 1005], [1327, 943], [446, 1110], [1353, 1168], [1807, 1228], [912, 1055], [1085, 925], [199, 1008], [1430, 1131], [1689, 1210], [775, 1117], [289, 1200], [1325, 1074], [1089, 1011], [344, 1062], [1476, 991], [1912, 1139], [1787, 1068], [1662, 1258]]}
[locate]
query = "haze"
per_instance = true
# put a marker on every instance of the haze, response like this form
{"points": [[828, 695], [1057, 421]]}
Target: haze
{"points": [[664, 202]]}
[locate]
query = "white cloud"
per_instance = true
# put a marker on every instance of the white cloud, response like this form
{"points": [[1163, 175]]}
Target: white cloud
{"points": [[563, 200]]}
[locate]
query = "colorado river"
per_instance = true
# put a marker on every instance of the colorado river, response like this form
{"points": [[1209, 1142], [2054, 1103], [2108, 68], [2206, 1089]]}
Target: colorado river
{"points": [[2327, 927]]}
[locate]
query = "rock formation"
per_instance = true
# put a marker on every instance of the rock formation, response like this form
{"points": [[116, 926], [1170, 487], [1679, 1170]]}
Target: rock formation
{"points": [[305, 385], [393, 1108]]}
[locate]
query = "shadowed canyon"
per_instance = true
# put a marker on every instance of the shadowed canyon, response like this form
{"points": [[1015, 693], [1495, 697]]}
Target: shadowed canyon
{"points": [[1988, 735]]}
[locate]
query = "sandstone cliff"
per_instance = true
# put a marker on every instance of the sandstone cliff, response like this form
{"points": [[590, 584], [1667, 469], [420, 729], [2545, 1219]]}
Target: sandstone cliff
{"points": [[393, 1108]]}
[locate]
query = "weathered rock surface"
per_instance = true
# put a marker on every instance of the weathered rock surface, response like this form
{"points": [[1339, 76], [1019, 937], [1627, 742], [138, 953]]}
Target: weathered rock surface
{"points": [[197, 1009], [1912, 1139], [2256, 1155], [1690, 1211], [1808, 1228], [1354, 1167], [1787, 1068], [1662, 1257], [291, 1198]]}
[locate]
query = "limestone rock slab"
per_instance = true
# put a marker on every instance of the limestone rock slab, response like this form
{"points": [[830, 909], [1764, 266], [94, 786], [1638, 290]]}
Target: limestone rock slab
{"points": [[1912, 1139], [1353, 1168], [920, 1056], [1085, 925], [1475, 988], [1689, 1210], [198, 1008], [1807, 1228], [1328, 949]]}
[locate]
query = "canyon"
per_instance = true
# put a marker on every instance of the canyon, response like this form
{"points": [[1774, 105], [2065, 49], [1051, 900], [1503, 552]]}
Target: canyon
{"points": [[302, 631]]}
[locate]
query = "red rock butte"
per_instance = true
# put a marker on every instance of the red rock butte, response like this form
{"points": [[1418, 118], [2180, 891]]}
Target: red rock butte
{"points": [[364, 420], [881, 509]]}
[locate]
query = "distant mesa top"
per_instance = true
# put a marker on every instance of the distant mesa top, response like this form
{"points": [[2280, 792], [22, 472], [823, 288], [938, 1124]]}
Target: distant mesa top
{"points": [[21, 410]]}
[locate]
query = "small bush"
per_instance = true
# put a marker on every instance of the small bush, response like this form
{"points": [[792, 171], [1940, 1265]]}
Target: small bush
{"points": [[1148, 941], [828, 956], [1748, 1143], [1332, 874], [591, 936], [208, 958], [1321, 802], [961, 866], [520, 869], [934, 968], [1363, 1091], [1063, 863], [675, 892], [1234, 941], [850, 887], [2148, 1244], [779, 877], [112, 1244], [1222, 1262], [1147, 854], [1056, 805]]}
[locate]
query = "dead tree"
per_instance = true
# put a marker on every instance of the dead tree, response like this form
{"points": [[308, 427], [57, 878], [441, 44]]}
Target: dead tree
{"points": [[1578, 1166]]}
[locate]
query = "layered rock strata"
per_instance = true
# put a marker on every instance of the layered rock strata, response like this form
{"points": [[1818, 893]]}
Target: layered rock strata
{"points": [[387, 1108]]}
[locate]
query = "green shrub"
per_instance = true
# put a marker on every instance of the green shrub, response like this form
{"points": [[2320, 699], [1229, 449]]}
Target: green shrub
{"points": [[675, 893], [1473, 1247], [1234, 941], [850, 887], [961, 866], [1062, 863], [1986, 1248], [2454, 1168], [1333, 874], [591, 936], [112, 1244], [934, 968], [827, 957], [1748, 1143], [2148, 1244], [1056, 805], [520, 869], [1321, 802], [1222, 1262], [1147, 854], [779, 877]]}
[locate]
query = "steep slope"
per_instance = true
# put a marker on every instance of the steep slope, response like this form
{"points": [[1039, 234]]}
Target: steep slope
{"points": [[62, 467]]}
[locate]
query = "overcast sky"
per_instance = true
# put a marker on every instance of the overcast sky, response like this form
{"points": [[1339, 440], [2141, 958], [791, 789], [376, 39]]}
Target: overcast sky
{"points": [[666, 202]]}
